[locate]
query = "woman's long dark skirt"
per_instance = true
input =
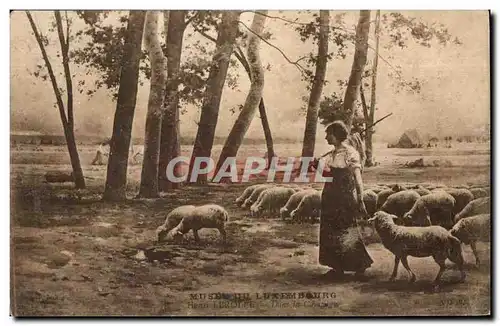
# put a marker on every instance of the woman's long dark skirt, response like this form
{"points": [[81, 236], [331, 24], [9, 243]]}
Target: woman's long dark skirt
{"points": [[340, 243]]}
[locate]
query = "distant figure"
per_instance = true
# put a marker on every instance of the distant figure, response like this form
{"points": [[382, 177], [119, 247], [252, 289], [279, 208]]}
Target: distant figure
{"points": [[101, 151]]}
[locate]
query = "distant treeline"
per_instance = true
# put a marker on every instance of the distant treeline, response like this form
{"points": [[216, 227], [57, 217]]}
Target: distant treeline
{"points": [[94, 140]]}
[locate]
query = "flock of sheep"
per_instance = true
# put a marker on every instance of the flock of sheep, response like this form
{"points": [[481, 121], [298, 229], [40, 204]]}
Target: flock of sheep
{"points": [[412, 220]]}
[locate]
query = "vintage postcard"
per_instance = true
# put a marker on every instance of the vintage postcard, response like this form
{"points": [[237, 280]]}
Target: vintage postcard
{"points": [[250, 163]]}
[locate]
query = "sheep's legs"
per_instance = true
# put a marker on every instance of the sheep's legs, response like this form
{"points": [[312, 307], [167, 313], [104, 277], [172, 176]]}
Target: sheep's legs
{"points": [[442, 267], [196, 236], [474, 250], [404, 260], [223, 234], [395, 270]]}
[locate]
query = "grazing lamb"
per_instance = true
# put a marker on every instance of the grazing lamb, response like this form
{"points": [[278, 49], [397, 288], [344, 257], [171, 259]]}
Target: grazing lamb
{"points": [[271, 200], [382, 197], [246, 193], [479, 192], [255, 195], [370, 200], [404, 241], [400, 203], [209, 216], [172, 220], [462, 198], [433, 209], [471, 229], [475, 207], [309, 207], [293, 202]]}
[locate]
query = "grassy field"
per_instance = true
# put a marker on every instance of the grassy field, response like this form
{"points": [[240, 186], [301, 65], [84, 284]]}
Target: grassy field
{"points": [[75, 255]]}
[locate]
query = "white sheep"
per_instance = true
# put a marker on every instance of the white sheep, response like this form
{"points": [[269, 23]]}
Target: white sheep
{"points": [[255, 195], [246, 193], [471, 229], [309, 207], [433, 209], [404, 241], [370, 200], [462, 198], [401, 202], [479, 192], [475, 207], [172, 220], [271, 200], [209, 216], [382, 197], [293, 202]]}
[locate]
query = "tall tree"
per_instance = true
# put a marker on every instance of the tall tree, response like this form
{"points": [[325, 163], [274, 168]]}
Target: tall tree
{"points": [[317, 87], [358, 64], [175, 25], [116, 178], [149, 175], [66, 119], [227, 32], [370, 114], [240, 127]]}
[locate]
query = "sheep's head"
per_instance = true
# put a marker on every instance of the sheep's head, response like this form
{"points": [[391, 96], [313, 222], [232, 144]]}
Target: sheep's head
{"points": [[161, 233], [284, 212], [255, 210], [174, 235], [422, 219], [381, 218]]}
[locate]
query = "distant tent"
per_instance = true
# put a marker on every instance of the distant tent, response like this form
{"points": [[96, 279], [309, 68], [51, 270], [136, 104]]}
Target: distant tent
{"points": [[409, 139]]}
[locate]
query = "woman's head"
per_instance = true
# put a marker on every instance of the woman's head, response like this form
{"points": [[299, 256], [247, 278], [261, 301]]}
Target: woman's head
{"points": [[336, 132]]}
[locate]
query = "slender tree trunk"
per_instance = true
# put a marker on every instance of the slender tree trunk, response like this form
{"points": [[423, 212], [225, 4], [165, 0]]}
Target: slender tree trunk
{"points": [[67, 124], [358, 64], [170, 130], [368, 124], [227, 32], [240, 127], [371, 118], [267, 132], [317, 87], [149, 175], [116, 178]]}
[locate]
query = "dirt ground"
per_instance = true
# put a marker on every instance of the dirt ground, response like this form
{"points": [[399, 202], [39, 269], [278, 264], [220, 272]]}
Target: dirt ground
{"points": [[72, 254]]}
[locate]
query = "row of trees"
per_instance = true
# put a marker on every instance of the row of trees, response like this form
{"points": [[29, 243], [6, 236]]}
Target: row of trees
{"points": [[116, 54]]}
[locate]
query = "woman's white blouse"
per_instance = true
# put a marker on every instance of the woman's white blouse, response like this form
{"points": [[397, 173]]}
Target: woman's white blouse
{"points": [[345, 157]]}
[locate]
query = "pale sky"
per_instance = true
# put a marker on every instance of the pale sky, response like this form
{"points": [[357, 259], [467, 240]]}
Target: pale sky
{"points": [[454, 99]]}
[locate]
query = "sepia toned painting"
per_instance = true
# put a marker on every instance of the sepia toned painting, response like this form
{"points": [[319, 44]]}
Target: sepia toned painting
{"points": [[250, 163]]}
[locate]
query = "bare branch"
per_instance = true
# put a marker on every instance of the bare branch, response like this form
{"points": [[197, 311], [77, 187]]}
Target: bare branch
{"points": [[295, 63], [204, 34]]}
